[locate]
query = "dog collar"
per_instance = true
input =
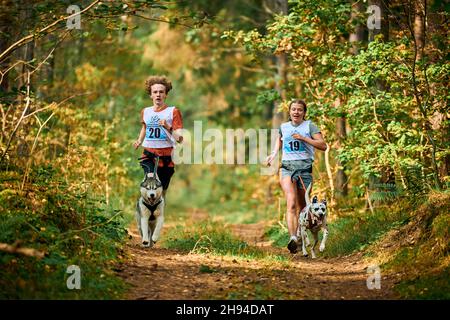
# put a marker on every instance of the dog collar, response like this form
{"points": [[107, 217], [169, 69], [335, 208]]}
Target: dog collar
{"points": [[150, 207]]}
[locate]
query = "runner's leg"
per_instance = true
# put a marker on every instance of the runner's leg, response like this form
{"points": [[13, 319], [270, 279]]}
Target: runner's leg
{"points": [[291, 212]]}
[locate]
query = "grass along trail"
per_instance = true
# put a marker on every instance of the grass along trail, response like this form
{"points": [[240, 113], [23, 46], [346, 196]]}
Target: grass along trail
{"points": [[167, 274]]}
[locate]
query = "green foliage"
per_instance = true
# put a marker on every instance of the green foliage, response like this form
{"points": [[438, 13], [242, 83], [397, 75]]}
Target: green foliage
{"points": [[212, 238], [397, 129], [71, 227], [377, 89], [428, 287], [238, 190], [430, 283], [440, 230], [206, 239], [355, 233], [432, 218], [278, 235], [385, 192], [268, 96], [387, 131], [419, 250]]}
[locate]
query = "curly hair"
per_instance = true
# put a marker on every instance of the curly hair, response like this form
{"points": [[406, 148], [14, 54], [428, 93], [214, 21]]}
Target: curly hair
{"points": [[157, 80]]}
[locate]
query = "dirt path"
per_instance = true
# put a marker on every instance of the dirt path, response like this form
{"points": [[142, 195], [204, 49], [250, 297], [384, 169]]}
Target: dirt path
{"points": [[159, 273]]}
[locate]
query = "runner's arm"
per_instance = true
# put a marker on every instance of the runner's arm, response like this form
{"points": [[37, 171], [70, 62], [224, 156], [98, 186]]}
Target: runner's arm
{"points": [[274, 152], [317, 140], [177, 126], [141, 137]]}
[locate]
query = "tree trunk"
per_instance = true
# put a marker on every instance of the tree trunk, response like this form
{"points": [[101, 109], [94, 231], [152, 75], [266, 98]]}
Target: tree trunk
{"points": [[341, 176], [278, 117], [281, 61], [357, 35], [355, 38], [27, 50], [6, 27], [50, 66], [387, 179], [419, 27], [419, 33]]}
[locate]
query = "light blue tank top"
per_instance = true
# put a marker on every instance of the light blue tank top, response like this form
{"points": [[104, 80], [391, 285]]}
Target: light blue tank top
{"points": [[294, 149]]}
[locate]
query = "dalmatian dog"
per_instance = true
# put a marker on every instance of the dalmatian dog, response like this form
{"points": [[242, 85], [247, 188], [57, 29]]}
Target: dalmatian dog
{"points": [[150, 209], [314, 218]]}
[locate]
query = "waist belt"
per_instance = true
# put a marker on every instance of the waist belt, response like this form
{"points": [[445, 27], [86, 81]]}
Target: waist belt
{"points": [[292, 168], [296, 174], [151, 156]]}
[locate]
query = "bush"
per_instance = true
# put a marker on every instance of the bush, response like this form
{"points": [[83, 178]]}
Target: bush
{"points": [[72, 228]]}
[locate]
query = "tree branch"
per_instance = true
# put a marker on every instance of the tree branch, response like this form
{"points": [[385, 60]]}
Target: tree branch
{"points": [[29, 252], [30, 37], [27, 104]]}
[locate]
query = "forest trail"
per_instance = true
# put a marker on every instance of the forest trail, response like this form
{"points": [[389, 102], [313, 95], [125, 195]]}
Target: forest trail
{"points": [[168, 274]]}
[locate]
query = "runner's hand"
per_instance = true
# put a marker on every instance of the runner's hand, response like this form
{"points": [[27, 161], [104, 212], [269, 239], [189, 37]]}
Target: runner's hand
{"points": [[270, 159], [137, 143], [164, 124], [298, 137]]}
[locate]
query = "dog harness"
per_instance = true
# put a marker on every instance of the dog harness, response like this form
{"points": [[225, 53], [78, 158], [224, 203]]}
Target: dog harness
{"points": [[151, 157], [152, 208], [313, 220]]}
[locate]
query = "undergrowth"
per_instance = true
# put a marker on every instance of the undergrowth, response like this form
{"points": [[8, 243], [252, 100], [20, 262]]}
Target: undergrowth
{"points": [[213, 238], [69, 226], [420, 250], [431, 286]]}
